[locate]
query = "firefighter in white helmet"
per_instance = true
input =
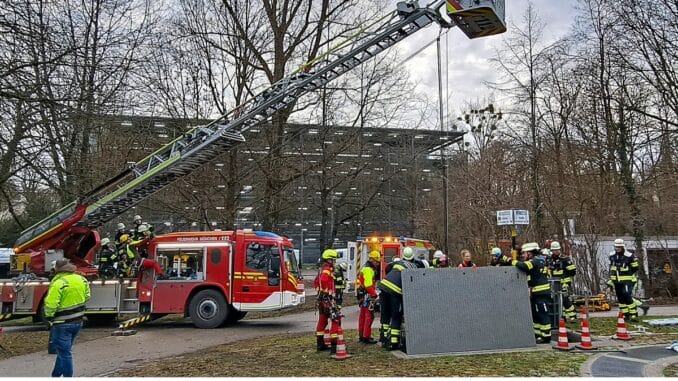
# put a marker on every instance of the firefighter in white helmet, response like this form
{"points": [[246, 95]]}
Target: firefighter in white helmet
{"points": [[392, 299], [440, 260], [119, 233], [623, 268]]}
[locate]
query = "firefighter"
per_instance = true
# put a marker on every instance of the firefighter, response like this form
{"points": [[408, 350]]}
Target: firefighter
{"points": [[326, 306], [143, 240], [137, 233], [119, 233], [496, 256], [367, 297], [421, 261], [340, 282], [126, 256], [563, 269], [107, 254], [623, 268], [466, 260], [392, 299], [436, 259], [540, 290], [383, 323]]}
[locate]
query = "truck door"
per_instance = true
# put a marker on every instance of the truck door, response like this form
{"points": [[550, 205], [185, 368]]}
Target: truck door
{"points": [[257, 284]]}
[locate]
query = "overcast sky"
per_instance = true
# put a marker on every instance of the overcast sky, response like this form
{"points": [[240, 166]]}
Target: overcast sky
{"points": [[468, 64]]}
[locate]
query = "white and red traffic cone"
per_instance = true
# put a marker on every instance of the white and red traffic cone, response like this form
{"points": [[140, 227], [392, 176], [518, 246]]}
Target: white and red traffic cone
{"points": [[586, 343], [563, 344], [622, 333], [341, 354]]}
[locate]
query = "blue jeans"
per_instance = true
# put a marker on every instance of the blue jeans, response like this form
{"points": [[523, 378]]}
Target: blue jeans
{"points": [[63, 336]]}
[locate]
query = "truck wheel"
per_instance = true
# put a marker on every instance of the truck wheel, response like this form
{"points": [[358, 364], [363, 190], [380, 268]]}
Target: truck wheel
{"points": [[39, 317], [208, 309]]}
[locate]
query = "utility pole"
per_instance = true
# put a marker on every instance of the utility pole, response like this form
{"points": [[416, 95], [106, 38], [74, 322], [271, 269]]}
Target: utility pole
{"points": [[442, 151]]}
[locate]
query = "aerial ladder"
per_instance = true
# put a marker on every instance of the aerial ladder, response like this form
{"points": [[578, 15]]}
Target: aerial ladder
{"points": [[72, 228]]}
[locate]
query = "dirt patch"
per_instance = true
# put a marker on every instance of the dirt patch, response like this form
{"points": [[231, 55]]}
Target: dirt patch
{"points": [[295, 355], [21, 343]]}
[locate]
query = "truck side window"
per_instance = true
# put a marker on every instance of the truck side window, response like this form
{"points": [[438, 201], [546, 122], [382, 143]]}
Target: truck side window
{"points": [[257, 256], [274, 269]]}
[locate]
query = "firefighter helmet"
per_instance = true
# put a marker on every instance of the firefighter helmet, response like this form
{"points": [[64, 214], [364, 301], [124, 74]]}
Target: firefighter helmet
{"points": [[530, 246], [438, 254], [545, 252], [137, 218], [105, 241], [343, 266], [496, 252], [329, 254], [375, 256], [555, 245], [124, 238], [408, 254], [619, 242], [142, 228], [121, 226]]}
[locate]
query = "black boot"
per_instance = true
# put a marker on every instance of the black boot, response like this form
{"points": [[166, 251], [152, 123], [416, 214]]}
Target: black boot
{"points": [[320, 344], [368, 340], [333, 347], [645, 307]]}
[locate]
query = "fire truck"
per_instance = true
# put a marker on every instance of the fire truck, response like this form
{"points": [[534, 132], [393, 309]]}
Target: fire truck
{"points": [[226, 286], [389, 247], [213, 277]]}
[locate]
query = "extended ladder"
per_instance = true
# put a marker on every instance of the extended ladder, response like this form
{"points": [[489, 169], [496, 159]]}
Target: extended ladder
{"points": [[204, 143]]}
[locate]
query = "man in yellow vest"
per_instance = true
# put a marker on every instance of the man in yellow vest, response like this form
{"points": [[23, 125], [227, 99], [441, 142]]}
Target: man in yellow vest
{"points": [[64, 308]]}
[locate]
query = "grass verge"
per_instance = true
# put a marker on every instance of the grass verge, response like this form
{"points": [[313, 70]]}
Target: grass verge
{"points": [[295, 355], [671, 371]]}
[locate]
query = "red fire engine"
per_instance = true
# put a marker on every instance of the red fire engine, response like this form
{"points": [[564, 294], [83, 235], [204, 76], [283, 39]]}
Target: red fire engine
{"points": [[215, 278]]}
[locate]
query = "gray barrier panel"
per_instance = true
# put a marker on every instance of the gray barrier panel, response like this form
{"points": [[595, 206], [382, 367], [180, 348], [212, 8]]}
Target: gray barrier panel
{"points": [[460, 310]]}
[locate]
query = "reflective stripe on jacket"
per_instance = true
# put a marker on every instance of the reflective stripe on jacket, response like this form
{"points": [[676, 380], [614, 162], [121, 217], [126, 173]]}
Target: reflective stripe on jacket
{"points": [[536, 276], [623, 267], [66, 298]]}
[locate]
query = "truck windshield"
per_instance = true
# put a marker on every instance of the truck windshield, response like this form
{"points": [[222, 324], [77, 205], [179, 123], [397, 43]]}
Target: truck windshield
{"points": [[291, 262]]}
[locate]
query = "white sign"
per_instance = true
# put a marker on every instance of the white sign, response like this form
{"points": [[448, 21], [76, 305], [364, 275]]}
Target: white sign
{"points": [[521, 217], [504, 217]]}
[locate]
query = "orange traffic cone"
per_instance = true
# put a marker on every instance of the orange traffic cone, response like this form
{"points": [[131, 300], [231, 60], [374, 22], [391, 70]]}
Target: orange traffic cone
{"points": [[585, 333], [326, 338], [562, 345], [341, 354], [621, 334]]}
